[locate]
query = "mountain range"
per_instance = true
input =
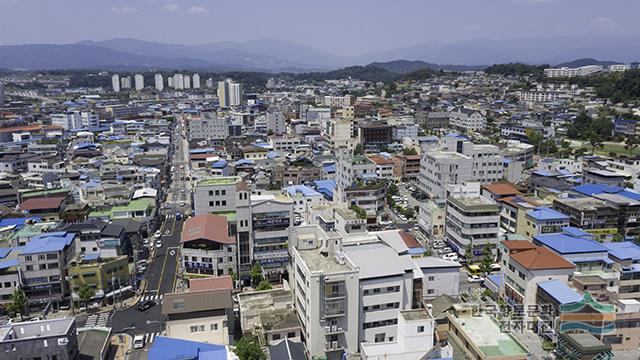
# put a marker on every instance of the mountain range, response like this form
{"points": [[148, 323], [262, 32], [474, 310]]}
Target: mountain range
{"points": [[273, 55]]}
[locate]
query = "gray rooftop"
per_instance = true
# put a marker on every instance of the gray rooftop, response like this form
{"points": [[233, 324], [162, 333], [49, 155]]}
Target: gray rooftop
{"points": [[377, 260], [279, 319], [316, 262], [32, 329]]}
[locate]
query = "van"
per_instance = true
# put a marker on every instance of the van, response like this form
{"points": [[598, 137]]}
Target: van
{"points": [[138, 342]]}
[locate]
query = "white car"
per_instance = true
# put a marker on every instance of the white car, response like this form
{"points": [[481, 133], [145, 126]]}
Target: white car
{"points": [[158, 244], [475, 278], [157, 234], [138, 342], [450, 256]]}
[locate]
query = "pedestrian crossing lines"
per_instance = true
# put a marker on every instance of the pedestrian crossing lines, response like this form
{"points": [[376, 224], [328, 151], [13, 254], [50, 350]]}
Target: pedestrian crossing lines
{"points": [[171, 216], [97, 320], [148, 337], [155, 297]]}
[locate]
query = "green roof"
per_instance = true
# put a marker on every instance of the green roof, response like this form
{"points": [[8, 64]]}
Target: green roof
{"points": [[141, 204], [230, 215], [28, 194], [222, 180]]}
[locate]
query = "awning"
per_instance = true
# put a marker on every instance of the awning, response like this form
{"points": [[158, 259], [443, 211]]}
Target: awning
{"points": [[99, 295], [119, 291]]}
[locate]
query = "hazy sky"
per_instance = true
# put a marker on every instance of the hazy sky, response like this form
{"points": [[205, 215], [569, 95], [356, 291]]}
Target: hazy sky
{"points": [[346, 27]]}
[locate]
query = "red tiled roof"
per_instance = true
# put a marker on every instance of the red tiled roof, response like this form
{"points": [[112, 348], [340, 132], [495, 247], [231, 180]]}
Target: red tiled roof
{"points": [[200, 156], [518, 244], [501, 189], [211, 283], [208, 227], [30, 128], [409, 240], [541, 258], [380, 159], [42, 203]]}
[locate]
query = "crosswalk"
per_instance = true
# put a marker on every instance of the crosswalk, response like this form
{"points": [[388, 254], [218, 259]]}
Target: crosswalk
{"points": [[154, 297], [97, 320], [148, 337]]}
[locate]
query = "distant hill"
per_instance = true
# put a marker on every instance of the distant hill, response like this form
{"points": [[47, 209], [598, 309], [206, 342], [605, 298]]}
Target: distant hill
{"points": [[365, 73], [408, 66], [586, 62]]}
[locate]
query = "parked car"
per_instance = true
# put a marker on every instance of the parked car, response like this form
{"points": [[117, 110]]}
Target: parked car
{"points": [[450, 256], [158, 233], [158, 244], [475, 278]]}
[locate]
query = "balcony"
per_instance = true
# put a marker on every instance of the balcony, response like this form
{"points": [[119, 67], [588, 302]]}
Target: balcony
{"points": [[333, 330]]}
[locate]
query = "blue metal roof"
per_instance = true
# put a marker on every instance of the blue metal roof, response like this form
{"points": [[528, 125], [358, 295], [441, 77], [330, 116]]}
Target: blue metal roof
{"points": [[8, 263], [545, 213], [91, 256], [326, 187], [18, 222], [330, 168], [625, 250], [302, 189], [273, 155], [201, 151], [576, 232], [47, 242], [166, 348], [595, 189], [220, 164], [243, 162], [558, 290], [4, 252], [565, 244]]}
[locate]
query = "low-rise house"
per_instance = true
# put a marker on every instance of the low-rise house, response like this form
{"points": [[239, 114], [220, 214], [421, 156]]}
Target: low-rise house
{"points": [[204, 313], [48, 208], [105, 275], [544, 220]]}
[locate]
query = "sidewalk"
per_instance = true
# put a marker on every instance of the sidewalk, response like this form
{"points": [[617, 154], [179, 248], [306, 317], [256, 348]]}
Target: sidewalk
{"points": [[124, 343]]}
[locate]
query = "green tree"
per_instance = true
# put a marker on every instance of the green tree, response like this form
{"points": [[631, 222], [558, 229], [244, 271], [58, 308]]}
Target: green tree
{"points": [[86, 293], [360, 212], [409, 151], [234, 276], [468, 253], [535, 138], [392, 189], [487, 260], [264, 285], [358, 150], [256, 274], [18, 303], [617, 237], [249, 349], [631, 145]]}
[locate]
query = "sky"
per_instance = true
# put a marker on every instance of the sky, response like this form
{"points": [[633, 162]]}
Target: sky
{"points": [[343, 27]]}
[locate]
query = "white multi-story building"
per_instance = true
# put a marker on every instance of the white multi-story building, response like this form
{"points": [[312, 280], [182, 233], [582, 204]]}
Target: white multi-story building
{"points": [[187, 82], [276, 122], [229, 93], [207, 126], [262, 222], [619, 67], [572, 72], [337, 101], [456, 160], [207, 246], [125, 82], [348, 289], [340, 133], [115, 82], [178, 81], [467, 119], [139, 82], [196, 81], [159, 82], [471, 219], [73, 120]]}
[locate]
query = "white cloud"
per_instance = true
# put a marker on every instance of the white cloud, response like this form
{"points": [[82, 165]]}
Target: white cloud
{"points": [[603, 23], [170, 7], [123, 10], [198, 10]]}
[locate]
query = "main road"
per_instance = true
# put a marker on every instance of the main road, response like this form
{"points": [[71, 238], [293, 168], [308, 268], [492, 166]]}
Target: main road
{"points": [[164, 263]]}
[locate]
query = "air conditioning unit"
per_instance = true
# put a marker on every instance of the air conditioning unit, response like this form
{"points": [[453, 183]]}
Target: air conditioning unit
{"points": [[334, 328], [327, 329], [339, 329], [334, 344], [327, 345]]}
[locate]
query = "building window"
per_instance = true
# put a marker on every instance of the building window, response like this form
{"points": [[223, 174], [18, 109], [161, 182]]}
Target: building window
{"points": [[431, 278], [420, 329], [291, 334], [275, 337], [430, 291], [223, 192], [214, 327], [217, 192], [379, 338]]}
